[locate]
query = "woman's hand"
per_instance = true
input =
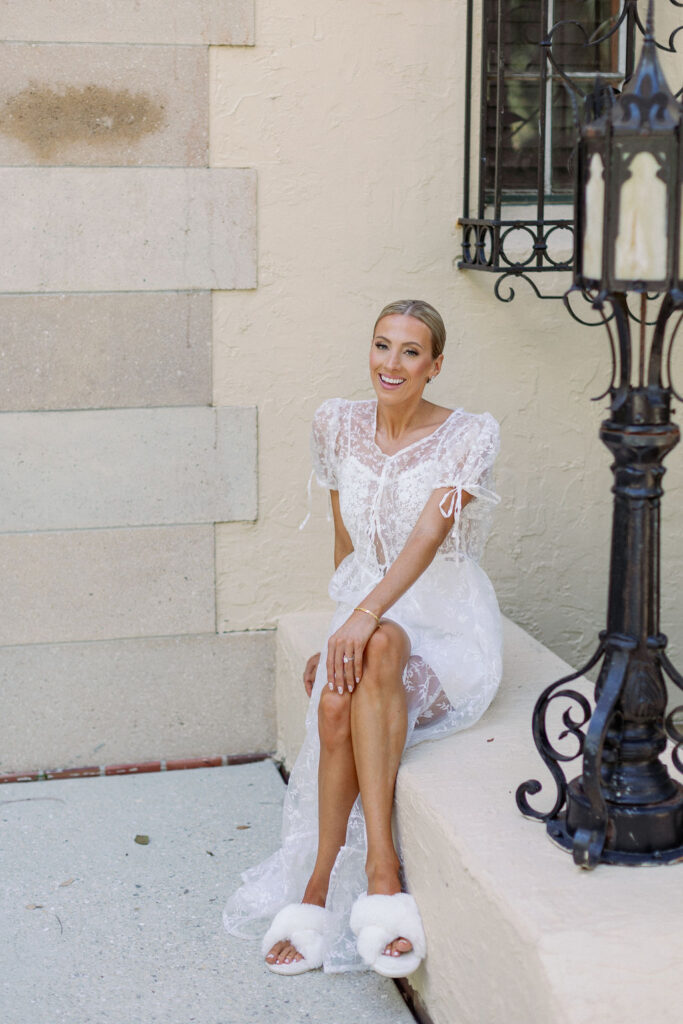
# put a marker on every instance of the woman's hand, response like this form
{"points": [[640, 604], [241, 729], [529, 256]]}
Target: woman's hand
{"points": [[345, 651], [310, 671]]}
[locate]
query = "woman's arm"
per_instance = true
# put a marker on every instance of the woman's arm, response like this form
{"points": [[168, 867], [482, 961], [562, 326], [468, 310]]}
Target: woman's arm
{"points": [[343, 544], [310, 672], [418, 552]]}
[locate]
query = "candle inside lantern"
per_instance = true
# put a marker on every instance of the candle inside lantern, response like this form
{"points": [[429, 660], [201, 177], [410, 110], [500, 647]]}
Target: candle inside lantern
{"points": [[640, 247], [594, 212]]}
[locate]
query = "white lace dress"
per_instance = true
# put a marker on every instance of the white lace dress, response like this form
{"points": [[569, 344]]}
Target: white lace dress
{"points": [[450, 614]]}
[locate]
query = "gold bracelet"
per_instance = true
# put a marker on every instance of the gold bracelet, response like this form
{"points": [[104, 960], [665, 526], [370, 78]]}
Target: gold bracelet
{"points": [[368, 612]]}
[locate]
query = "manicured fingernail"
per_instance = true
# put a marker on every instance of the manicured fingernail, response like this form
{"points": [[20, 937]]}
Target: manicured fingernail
{"points": [[357, 679], [340, 690], [331, 686], [351, 689]]}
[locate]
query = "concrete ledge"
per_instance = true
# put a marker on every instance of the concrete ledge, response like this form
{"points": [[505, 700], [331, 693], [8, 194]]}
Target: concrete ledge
{"points": [[516, 933], [299, 635]]}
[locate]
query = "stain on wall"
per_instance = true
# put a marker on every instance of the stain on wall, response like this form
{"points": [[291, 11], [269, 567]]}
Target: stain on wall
{"points": [[48, 121]]}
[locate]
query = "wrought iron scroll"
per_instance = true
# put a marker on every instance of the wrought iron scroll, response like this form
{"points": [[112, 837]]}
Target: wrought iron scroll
{"points": [[673, 731], [552, 757]]}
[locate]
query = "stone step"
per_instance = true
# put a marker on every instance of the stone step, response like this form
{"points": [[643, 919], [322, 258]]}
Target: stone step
{"points": [[516, 933]]}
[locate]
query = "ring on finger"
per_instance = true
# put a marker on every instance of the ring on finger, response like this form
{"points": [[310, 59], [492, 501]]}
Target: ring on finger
{"points": [[346, 660]]}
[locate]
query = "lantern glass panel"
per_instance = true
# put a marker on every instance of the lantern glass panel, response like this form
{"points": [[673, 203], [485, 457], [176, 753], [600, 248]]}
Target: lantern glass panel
{"points": [[594, 217], [640, 251]]}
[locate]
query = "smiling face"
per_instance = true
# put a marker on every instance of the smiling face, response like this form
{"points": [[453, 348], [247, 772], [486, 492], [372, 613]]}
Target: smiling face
{"points": [[401, 358]]}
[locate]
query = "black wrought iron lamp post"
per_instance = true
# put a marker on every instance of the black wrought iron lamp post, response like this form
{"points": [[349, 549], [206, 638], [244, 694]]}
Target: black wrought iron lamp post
{"points": [[624, 807]]}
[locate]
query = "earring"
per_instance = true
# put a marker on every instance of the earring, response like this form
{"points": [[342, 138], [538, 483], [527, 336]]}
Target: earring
{"points": [[429, 380]]}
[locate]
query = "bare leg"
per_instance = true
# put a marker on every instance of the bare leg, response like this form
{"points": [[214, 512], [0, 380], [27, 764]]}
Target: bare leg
{"points": [[337, 792], [378, 729], [362, 736]]}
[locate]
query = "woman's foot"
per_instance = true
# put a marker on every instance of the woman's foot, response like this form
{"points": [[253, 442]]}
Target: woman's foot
{"points": [[284, 952], [398, 947], [379, 921], [384, 881], [296, 939]]}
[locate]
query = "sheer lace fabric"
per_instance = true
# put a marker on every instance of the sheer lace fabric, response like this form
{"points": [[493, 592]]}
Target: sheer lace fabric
{"points": [[450, 614]]}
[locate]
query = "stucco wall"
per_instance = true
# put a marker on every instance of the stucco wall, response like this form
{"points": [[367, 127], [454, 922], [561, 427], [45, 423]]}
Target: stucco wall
{"points": [[351, 113]]}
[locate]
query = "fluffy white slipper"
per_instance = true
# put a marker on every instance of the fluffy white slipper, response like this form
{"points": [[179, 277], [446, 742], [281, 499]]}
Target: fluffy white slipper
{"points": [[378, 920], [304, 925]]}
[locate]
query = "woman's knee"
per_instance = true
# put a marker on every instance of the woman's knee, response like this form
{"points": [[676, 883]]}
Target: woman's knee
{"points": [[334, 717], [387, 650]]}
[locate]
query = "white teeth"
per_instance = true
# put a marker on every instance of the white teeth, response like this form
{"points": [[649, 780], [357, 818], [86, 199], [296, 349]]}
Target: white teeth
{"points": [[391, 380]]}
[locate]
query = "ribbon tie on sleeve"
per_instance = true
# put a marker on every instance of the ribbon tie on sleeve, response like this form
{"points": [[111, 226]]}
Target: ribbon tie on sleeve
{"points": [[309, 502], [451, 503]]}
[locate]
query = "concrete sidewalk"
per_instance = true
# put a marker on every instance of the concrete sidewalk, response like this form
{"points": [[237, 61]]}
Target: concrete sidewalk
{"points": [[96, 928]]}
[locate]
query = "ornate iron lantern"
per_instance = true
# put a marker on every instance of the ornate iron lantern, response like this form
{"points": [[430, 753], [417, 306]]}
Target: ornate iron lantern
{"points": [[628, 212], [625, 808]]}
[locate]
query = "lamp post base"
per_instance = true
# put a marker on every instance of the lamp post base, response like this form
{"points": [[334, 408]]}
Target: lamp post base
{"points": [[643, 834], [624, 808]]}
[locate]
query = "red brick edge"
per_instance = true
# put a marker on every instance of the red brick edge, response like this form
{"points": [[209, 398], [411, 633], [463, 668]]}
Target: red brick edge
{"points": [[169, 765]]}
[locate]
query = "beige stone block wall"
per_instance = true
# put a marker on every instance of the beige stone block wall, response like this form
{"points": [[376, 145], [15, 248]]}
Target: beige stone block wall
{"points": [[107, 105], [127, 467], [130, 21], [125, 229], [79, 585], [116, 469], [352, 115], [98, 703], [94, 351]]}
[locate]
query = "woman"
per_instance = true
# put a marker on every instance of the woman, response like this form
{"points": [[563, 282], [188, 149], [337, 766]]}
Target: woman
{"points": [[414, 652]]}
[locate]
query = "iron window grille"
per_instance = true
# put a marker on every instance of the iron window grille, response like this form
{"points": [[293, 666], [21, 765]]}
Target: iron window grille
{"points": [[537, 65]]}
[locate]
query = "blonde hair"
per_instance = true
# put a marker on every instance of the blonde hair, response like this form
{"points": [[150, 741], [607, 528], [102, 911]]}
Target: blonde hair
{"points": [[423, 312]]}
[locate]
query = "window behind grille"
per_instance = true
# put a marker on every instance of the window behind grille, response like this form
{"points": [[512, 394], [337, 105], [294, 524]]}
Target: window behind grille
{"points": [[513, 31]]}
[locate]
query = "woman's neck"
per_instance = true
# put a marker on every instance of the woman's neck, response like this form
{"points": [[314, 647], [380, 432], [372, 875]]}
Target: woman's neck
{"points": [[396, 421]]}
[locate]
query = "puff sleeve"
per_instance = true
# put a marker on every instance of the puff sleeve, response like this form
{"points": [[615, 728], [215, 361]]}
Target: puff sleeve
{"points": [[464, 462], [326, 441]]}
